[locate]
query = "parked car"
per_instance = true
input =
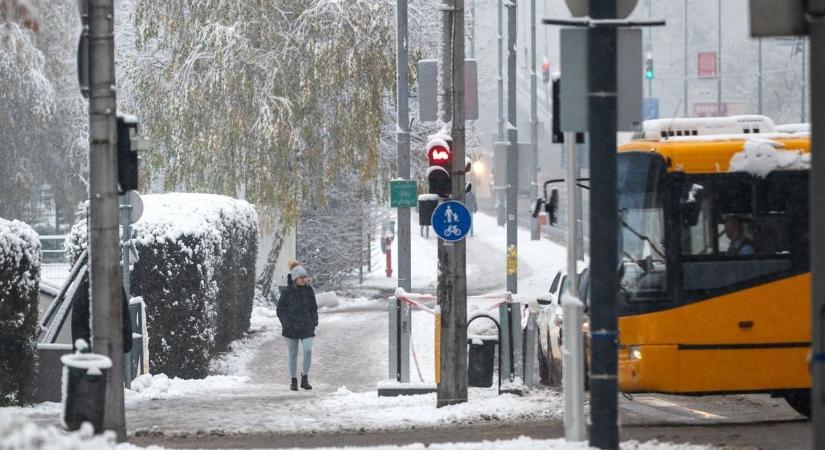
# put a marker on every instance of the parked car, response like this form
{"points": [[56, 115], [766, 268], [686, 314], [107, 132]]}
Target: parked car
{"points": [[549, 324]]}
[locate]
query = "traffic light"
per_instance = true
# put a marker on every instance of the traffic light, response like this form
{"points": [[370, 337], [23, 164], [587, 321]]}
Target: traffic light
{"points": [[649, 67], [441, 159], [545, 71], [127, 157]]}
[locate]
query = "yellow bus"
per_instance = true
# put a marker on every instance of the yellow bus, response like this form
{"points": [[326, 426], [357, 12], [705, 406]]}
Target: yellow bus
{"points": [[715, 292]]}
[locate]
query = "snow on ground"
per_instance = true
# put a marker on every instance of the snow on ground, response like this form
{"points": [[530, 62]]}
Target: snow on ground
{"points": [[18, 433], [537, 263], [156, 387]]}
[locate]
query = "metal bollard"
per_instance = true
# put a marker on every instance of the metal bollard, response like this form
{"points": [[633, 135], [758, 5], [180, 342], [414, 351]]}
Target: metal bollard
{"points": [[573, 369]]}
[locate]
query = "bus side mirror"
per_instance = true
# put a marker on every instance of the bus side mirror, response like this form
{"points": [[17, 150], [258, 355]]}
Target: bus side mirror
{"points": [[692, 204], [552, 207]]}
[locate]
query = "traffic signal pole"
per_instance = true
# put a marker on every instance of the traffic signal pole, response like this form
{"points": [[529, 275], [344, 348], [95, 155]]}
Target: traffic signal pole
{"points": [[604, 226], [500, 210], [104, 239], [403, 144], [452, 281], [512, 153], [816, 33], [534, 122]]}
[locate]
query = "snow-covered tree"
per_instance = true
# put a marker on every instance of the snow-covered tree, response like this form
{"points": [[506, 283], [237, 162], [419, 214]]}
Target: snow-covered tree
{"points": [[42, 115], [272, 99]]}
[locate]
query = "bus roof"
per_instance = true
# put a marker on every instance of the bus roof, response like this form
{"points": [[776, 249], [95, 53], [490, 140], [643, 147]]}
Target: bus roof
{"points": [[710, 154]]}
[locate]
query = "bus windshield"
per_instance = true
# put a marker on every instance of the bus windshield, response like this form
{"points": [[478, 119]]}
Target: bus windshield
{"points": [[641, 178]]}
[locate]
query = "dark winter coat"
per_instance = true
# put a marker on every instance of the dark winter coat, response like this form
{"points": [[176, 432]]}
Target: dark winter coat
{"points": [[297, 311], [81, 317]]}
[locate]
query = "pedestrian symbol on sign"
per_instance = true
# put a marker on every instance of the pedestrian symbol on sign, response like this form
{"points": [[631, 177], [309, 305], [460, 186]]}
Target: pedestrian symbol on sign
{"points": [[452, 221]]}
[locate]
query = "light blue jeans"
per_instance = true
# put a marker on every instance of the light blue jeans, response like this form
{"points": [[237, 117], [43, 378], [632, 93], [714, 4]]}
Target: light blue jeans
{"points": [[292, 346]]}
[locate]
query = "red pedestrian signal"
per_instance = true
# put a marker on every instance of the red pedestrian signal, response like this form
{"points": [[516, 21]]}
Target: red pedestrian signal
{"points": [[439, 172], [438, 152]]}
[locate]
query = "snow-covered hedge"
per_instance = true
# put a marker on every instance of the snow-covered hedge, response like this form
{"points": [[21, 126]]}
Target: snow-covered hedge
{"points": [[196, 274], [19, 281]]}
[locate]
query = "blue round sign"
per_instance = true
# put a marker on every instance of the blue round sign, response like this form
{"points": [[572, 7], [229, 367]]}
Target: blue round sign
{"points": [[452, 221]]}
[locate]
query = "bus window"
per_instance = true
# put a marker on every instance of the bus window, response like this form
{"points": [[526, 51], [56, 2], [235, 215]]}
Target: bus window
{"points": [[741, 236]]}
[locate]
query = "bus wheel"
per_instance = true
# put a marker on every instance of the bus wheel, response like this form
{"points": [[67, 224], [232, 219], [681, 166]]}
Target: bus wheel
{"points": [[800, 400]]}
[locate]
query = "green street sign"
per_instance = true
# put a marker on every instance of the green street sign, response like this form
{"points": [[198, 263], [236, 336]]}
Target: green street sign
{"points": [[403, 194]]}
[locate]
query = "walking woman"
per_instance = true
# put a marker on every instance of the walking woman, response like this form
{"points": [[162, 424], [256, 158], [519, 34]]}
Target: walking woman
{"points": [[298, 313]]}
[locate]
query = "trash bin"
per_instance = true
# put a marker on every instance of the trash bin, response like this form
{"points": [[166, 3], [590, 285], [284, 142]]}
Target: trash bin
{"points": [[84, 389], [481, 355]]}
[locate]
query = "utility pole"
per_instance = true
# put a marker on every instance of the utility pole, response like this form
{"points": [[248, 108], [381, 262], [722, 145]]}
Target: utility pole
{"points": [[534, 122], [604, 226], [446, 62], [512, 153], [686, 62], [403, 144], [759, 104], [719, 60], [104, 239], [804, 81], [500, 210], [473, 29], [452, 282], [816, 32]]}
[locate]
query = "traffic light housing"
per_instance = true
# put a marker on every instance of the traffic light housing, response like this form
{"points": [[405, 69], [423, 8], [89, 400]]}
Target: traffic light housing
{"points": [[127, 157], [440, 157], [649, 67]]}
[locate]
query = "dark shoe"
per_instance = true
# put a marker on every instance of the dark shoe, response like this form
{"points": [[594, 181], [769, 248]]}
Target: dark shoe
{"points": [[294, 385], [305, 383]]}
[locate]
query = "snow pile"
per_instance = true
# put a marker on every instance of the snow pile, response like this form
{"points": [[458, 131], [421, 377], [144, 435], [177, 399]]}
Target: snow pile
{"points": [[326, 299], [17, 433], [196, 274], [368, 411], [156, 387], [19, 287], [762, 156]]}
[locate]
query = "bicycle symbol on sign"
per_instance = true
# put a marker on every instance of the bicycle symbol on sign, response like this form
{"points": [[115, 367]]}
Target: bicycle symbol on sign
{"points": [[452, 230]]}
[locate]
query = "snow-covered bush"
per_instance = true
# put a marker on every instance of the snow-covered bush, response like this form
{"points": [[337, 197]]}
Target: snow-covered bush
{"points": [[19, 281], [196, 274]]}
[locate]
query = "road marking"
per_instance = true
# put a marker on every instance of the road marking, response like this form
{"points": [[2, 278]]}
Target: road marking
{"points": [[677, 408]]}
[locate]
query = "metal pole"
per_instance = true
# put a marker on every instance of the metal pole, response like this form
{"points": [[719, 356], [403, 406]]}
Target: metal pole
{"points": [[816, 30], [534, 121], [125, 210], [759, 96], [453, 289], [104, 239], [804, 97], [573, 366], [649, 46], [446, 80], [403, 144], [473, 29], [719, 60], [686, 62], [604, 227], [500, 210], [512, 153]]}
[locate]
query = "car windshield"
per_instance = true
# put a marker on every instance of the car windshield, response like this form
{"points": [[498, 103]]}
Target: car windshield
{"points": [[642, 234]]}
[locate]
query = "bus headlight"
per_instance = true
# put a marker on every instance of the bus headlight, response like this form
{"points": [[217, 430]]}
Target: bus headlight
{"points": [[634, 352]]}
